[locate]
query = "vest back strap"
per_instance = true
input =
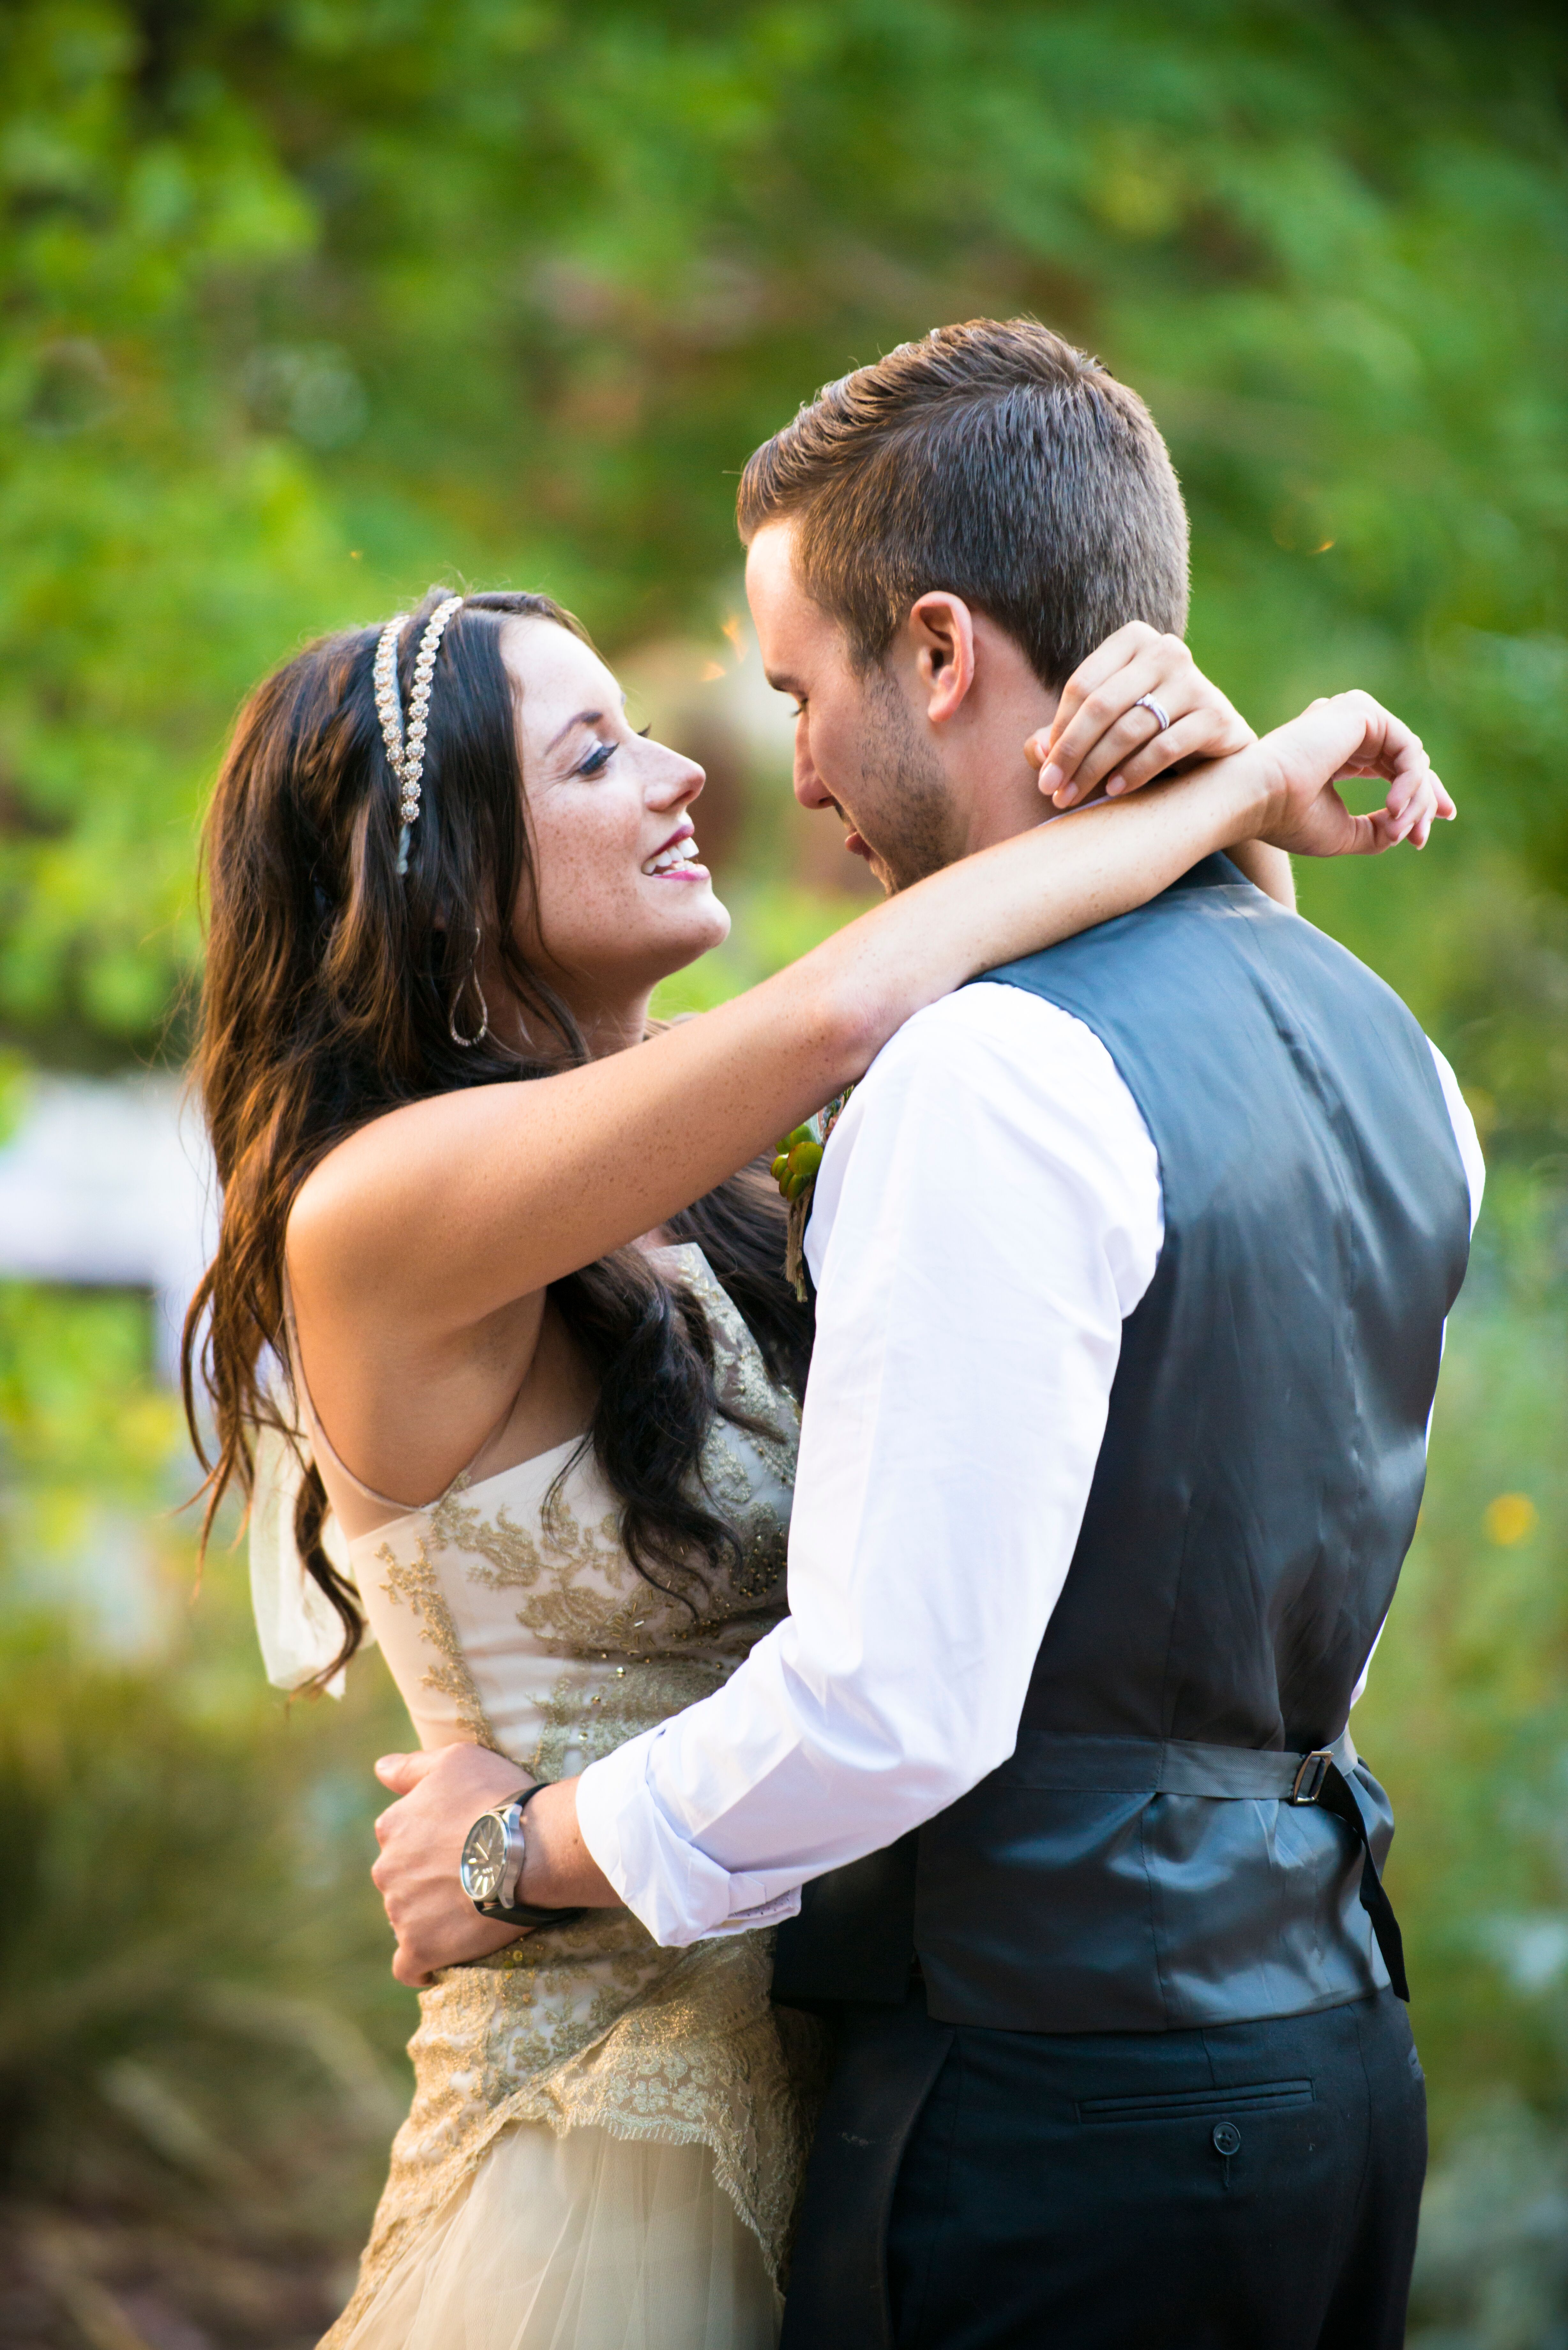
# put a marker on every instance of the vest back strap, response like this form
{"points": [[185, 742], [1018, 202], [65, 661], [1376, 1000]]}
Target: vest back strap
{"points": [[1065, 1763], [1061, 1763]]}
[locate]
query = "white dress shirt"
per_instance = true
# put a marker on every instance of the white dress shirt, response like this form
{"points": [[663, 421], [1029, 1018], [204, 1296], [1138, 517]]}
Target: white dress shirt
{"points": [[987, 1215]]}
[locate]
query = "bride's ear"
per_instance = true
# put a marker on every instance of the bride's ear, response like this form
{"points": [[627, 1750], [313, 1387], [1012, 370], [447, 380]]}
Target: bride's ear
{"points": [[941, 627]]}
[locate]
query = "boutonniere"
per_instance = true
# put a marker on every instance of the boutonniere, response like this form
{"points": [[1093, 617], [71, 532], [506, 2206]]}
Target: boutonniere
{"points": [[794, 1166]]}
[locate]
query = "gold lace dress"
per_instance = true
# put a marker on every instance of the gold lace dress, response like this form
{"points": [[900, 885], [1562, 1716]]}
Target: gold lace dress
{"points": [[607, 2137]]}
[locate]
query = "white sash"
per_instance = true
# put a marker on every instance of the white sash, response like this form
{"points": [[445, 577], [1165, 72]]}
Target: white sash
{"points": [[298, 1627]]}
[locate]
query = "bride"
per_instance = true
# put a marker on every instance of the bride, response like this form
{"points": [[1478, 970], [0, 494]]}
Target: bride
{"points": [[513, 1369]]}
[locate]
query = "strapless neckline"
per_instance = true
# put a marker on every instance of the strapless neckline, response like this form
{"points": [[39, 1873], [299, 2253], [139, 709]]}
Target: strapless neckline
{"points": [[466, 1486], [462, 1483]]}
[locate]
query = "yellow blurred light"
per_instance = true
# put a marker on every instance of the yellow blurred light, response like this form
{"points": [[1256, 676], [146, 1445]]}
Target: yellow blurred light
{"points": [[712, 672], [733, 629], [1509, 1518]]}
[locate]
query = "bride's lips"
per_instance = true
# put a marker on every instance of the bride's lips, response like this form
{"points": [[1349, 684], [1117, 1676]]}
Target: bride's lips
{"points": [[681, 851], [856, 846]]}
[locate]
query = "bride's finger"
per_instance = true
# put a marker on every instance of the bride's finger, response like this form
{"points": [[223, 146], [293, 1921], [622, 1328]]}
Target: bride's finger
{"points": [[1419, 796], [1420, 809], [1409, 815], [1431, 806], [1124, 645], [1184, 738], [1127, 738], [1114, 724], [1388, 746], [1100, 695], [1405, 788]]}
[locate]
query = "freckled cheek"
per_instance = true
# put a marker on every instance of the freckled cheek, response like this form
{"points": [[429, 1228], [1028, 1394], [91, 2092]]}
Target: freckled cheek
{"points": [[587, 876]]}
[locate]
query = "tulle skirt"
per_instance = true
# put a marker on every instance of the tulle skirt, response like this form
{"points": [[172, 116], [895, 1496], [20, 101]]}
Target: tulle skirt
{"points": [[582, 2242]]}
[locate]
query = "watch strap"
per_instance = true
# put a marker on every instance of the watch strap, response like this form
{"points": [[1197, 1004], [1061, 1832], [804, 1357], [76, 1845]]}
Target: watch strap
{"points": [[525, 1913]]}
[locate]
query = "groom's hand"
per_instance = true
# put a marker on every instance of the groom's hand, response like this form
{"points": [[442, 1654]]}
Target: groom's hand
{"points": [[421, 1837], [1104, 731], [1348, 735]]}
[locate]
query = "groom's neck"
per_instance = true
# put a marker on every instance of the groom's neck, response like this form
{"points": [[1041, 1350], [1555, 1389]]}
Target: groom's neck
{"points": [[995, 789]]}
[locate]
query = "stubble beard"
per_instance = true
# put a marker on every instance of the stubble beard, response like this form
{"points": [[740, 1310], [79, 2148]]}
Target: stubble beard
{"points": [[903, 782]]}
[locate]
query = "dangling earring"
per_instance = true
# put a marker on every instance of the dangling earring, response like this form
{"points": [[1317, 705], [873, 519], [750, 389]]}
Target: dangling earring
{"points": [[468, 1042]]}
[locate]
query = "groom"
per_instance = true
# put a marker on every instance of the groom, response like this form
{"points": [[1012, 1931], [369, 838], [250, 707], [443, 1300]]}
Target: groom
{"points": [[1132, 1267]]}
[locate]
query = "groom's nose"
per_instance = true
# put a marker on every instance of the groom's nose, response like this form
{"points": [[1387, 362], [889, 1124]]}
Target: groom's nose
{"points": [[809, 788]]}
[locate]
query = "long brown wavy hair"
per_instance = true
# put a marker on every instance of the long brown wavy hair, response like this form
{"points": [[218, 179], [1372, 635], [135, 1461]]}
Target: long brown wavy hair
{"points": [[331, 988]]}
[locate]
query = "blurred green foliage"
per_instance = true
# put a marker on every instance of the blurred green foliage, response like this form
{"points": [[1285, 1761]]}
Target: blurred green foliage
{"points": [[199, 2033], [309, 302]]}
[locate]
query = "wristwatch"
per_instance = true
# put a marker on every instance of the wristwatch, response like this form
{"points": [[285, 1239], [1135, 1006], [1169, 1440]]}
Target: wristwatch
{"points": [[492, 1854]]}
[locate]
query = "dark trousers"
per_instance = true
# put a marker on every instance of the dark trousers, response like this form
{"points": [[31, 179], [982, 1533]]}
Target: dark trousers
{"points": [[1254, 2187]]}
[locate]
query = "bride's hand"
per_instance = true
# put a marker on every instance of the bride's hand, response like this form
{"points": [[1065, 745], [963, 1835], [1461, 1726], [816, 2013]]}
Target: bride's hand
{"points": [[1348, 735], [421, 1838], [1103, 732]]}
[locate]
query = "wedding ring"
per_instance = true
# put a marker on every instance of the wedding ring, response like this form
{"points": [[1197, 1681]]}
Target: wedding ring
{"points": [[1147, 702]]}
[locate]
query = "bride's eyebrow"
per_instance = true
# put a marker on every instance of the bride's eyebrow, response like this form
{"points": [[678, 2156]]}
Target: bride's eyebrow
{"points": [[583, 718]]}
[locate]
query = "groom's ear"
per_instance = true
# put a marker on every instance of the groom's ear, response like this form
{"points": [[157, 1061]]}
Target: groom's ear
{"points": [[941, 633]]}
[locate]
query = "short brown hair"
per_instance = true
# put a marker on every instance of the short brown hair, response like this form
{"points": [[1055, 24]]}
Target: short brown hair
{"points": [[992, 459]]}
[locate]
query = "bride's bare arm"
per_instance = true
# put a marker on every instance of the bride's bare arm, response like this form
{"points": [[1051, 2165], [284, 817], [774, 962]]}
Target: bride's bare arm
{"points": [[480, 1198]]}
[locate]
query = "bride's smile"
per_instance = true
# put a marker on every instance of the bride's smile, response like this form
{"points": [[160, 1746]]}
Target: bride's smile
{"points": [[621, 897]]}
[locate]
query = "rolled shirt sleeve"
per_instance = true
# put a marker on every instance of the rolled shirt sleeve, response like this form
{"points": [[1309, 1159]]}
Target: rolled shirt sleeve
{"points": [[987, 1214]]}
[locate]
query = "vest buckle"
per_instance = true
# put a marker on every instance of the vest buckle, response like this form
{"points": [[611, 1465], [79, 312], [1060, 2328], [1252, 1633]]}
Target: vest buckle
{"points": [[1309, 1780]]}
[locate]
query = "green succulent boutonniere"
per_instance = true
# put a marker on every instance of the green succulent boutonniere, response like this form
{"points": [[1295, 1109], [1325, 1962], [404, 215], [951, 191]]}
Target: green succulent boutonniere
{"points": [[794, 1166]]}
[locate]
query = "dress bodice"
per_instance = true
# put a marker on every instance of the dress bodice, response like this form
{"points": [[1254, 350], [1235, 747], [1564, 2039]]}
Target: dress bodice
{"points": [[510, 1613]]}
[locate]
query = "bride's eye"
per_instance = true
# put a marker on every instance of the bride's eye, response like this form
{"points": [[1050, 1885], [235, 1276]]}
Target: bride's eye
{"points": [[597, 760]]}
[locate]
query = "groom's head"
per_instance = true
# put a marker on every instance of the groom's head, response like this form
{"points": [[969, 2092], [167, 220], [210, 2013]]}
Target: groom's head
{"points": [[935, 542]]}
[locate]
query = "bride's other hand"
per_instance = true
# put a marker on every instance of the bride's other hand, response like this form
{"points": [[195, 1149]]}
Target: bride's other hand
{"points": [[1343, 735], [441, 1795], [1103, 732]]}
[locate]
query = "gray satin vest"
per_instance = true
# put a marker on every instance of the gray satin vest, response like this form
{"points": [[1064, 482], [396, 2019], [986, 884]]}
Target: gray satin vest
{"points": [[1255, 1495]]}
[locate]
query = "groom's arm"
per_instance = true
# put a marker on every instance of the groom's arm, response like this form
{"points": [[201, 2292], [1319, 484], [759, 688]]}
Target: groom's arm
{"points": [[987, 1210], [987, 1214]]}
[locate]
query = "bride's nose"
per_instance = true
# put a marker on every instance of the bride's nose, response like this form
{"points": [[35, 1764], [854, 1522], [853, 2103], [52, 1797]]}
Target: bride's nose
{"points": [[678, 781]]}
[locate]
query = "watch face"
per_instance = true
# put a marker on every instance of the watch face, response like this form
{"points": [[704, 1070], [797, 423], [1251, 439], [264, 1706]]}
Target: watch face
{"points": [[483, 1858]]}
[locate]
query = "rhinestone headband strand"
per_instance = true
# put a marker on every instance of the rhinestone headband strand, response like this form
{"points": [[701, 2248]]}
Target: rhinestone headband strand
{"points": [[406, 752]]}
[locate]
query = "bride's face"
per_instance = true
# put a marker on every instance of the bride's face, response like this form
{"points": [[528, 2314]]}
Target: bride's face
{"points": [[623, 899]]}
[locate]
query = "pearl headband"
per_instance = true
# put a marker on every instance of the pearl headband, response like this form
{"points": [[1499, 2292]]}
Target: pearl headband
{"points": [[406, 752]]}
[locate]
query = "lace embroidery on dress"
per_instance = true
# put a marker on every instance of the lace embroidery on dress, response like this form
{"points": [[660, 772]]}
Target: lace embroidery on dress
{"points": [[416, 1585], [584, 1726], [593, 2024]]}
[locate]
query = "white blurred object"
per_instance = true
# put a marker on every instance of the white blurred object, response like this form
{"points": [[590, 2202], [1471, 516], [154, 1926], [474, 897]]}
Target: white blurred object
{"points": [[296, 1624], [109, 1181]]}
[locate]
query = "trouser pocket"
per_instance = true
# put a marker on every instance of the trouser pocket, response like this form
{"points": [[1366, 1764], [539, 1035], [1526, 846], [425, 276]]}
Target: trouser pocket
{"points": [[1217, 2112], [1194, 2105]]}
